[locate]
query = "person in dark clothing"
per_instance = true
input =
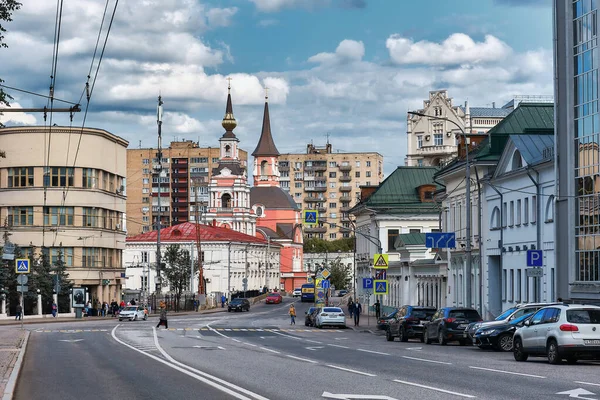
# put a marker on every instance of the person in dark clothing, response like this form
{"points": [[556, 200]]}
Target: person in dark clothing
{"points": [[377, 309], [19, 312], [133, 303], [350, 307], [223, 299], [114, 307], [163, 316], [357, 311]]}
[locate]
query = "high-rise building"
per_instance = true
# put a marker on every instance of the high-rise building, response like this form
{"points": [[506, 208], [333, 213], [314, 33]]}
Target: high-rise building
{"points": [[186, 174], [577, 135], [329, 182]]}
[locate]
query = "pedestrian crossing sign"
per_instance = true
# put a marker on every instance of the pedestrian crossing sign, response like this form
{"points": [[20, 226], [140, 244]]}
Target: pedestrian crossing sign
{"points": [[380, 261], [310, 217], [22, 266], [381, 287]]}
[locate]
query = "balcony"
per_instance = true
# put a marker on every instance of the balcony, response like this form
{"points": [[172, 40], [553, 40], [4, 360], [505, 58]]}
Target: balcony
{"points": [[437, 150], [179, 184], [345, 188], [179, 173], [345, 230], [181, 193], [284, 168], [180, 214], [345, 218], [314, 199], [321, 209], [320, 179], [345, 199], [320, 188], [320, 168], [316, 229], [345, 178], [346, 168], [345, 209]]}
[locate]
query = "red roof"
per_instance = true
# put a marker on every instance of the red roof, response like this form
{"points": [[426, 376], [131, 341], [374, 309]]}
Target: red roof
{"points": [[187, 232]]}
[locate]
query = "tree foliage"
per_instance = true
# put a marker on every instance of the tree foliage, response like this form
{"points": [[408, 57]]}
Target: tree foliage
{"points": [[7, 7], [316, 245], [177, 269], [340, 275]]}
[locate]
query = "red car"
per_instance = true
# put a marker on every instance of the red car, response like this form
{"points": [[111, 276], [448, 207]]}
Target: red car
{"points": [[273, 298]]}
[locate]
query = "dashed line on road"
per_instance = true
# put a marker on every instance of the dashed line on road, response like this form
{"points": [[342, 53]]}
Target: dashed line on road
{"points": [[434, 388], [249, 344], [374, 352], [338, 345], [302, 359], [313, 341], [425, 360], [271, 350], [350, 370], [508, 372], [588, 383]]}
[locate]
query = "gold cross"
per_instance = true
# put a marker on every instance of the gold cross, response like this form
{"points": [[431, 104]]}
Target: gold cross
{"points": [[266, 92]]}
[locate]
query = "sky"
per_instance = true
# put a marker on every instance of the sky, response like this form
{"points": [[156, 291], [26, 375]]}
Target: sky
{"points": [[350, 69]]}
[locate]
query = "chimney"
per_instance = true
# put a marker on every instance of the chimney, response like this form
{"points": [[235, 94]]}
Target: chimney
{"points": [[493, 104], [214, 222], [367, 191]]}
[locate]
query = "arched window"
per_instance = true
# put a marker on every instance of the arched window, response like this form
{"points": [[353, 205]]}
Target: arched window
{"points": [[517, 160], [495, 222], [226, 200], [263, 168], [259, 211], [227, 151], [550, 209]]}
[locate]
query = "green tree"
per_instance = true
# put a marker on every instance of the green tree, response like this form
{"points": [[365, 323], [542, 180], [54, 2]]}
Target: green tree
{"points": [[7, 7], [316, 245], [177, 270], [8, 276], [40, 277], [340, 275], [60, 274]]}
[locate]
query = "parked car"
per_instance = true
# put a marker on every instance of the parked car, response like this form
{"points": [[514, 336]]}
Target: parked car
{"points": [[330, 316], [565, 331], [273, 298], [409, 323], [342, 293], [499, 337], [504, 318], [297, 292], [309, 316], [384, 322], [238, 305], [448, 324], [133, 313]]}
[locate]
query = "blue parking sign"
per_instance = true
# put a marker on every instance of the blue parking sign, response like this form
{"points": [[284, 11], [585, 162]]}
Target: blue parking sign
{"points": [[535, 258], [367, 283]]}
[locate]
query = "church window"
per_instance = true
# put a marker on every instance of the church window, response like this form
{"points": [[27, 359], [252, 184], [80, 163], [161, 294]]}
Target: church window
{"points": [[226, 200], [263, 168], [228, 151], [259, 211]]}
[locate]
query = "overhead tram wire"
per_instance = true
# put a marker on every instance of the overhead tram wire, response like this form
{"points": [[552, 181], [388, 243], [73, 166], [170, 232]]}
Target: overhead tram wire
{"points": [[37, 94]]}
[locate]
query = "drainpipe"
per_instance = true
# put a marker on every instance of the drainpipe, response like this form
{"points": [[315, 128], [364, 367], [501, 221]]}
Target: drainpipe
{"points": [[479, 228], [501, 226], [538, 191]]}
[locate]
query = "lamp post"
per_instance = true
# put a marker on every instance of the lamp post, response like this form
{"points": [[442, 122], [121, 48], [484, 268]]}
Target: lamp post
{"points": [[159, 116], [469, 266], [268, 251]]}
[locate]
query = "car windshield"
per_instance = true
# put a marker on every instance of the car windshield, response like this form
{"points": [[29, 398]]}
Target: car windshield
{"points": [[506, 314], [520, 319], [422, 314], [590, 316], [236, 301], [274, 295], [392, 314], [130, 309], [332, 310], [466, 314]]}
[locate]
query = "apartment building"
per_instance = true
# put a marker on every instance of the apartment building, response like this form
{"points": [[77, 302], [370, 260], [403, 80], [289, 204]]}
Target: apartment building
{"points": [[330, 183], [183, 182]]}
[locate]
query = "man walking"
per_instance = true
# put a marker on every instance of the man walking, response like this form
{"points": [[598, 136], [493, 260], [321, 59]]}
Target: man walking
{"points": [[54, 309], [357, 311], [163, 316], [19, 312], [223, 299], [350, 307], [292, 315], [377, 309]]}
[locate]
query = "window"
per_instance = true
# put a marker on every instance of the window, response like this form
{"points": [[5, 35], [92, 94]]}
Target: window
{"points": [[146, 171], [198, 160], [504, 285], [90, 216], [420, 162], [517, 160], [437, 111], [332, 195], [392, 235], [526, 210], [512, 213], [145, 190], [145, 218], [89, 256], [504, 214], [332, 174], [357, 174], [285, 184], [333, 215], [61, 176], [332, 185], [146, 199], [298, 185], [145, 181], [438, 139], [20, 177], [533, 209], [358, 164], [495, 222], [20, 216], [332, 205], [332, 164], [146, 161], [419, 141], [519, 285], [58, 216], [368, 163], [298, 175], [368, 174], [215, 160], [550, 209], [518, 212], [512, 285], [416, 230], [144, 256], [332, 236], [89, 178], [298, 165]]}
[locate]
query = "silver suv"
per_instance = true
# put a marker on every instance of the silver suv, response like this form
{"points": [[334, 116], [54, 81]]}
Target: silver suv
{"points": [[565, 331]]}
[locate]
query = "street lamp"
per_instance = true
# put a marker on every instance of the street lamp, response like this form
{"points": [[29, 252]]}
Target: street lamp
{"points": [[469, 210]]}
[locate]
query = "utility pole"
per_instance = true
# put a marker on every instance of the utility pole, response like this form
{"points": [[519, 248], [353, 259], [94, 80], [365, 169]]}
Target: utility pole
{"points": [[159, 116], [229, 271], [198, 244]]}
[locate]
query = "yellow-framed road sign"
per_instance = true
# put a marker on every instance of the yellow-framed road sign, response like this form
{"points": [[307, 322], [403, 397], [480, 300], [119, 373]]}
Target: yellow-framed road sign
{"points": [[310, 217], [380, 287], [380, 261]]}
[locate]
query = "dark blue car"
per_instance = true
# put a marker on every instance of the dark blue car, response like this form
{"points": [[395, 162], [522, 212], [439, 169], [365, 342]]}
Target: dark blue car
{"points": [[499, 337]]}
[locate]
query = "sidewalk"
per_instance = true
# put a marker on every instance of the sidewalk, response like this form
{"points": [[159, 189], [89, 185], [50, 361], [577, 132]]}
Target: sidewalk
{"points": [[13, 344], [367, 325]]}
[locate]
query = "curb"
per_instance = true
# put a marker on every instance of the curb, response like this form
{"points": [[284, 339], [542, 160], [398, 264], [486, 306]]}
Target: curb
{"points": [[14, 375]]}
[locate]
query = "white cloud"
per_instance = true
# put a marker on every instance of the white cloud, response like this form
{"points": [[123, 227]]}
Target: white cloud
{"points": [[219, 17], [456, 49], [17, 118], [267, 22], [278, 5], [347, 51]]}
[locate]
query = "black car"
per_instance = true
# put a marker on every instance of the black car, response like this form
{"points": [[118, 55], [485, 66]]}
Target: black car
{"points": [[384, 322], [238, 305], [499, 337], [309, 316], [409, 323], [449, 323], [342, 293]]}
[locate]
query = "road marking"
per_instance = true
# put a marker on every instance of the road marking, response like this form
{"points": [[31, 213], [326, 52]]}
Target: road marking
{"points": [[374, 352], [328, 395], [577, 393], [414, 348], [210, 347], [313, 341], [284, 335], [430, 361], [303, 359], [508, 372], [340, 338], [350, 370], [434, 388], [588, 383], [340, 346], [249, 344], [70, 340], [218, 383], [235, 340], [314, 348], [271, 350]]}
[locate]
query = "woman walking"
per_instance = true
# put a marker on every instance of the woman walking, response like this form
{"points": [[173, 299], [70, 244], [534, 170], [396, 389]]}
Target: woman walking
{"points": [[163, 316], [292, 315]]}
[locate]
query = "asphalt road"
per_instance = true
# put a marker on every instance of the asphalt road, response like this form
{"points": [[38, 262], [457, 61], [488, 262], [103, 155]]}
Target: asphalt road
{"points": [[258, 355]]}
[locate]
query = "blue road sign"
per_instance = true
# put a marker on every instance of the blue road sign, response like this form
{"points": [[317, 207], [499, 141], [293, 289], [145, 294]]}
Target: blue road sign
{"points": [[22, 266], [325, 284], [440, 240], [380, 274], [381, 287], [367, 283], [310, 216], [321, 294], [535, 258]]}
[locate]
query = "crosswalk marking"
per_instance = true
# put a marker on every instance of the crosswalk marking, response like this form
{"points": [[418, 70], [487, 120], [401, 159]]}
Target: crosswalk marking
{"points": [[203, 329]]}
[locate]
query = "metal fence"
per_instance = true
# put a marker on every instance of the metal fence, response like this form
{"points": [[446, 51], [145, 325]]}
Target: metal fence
{"points": [[186, 302]]}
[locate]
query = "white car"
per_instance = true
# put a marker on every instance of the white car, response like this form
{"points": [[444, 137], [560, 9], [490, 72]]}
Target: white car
{"points": [[565, 331], [330, 316], [133, 313], [297, 292]]}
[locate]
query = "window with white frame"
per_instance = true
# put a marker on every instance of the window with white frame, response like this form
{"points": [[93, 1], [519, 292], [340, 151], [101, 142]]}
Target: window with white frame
{"points": [[512, 213], [519, 212], [504, 214], [526, 210], [419, 141], [438, 139], [550, 209], [533, 209]]}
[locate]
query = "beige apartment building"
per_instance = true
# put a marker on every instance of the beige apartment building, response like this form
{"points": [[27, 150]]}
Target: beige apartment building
{"points": [[329, 183], [63, 189], [186, 172]]}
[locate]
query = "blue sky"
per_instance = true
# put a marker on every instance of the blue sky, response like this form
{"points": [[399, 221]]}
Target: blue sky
{"points": [[347, 68]]}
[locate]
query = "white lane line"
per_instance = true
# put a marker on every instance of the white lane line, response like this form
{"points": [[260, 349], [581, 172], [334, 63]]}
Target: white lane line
{"points": [[374, 352], [217, 332], [271, 350], [235, 340], [508, 372], [200, 376], [313, 341], [350, 370], [283, 334], [340, 346], [588, 383], [434, 388], [249, 344], [430, 361], [303, 359]]}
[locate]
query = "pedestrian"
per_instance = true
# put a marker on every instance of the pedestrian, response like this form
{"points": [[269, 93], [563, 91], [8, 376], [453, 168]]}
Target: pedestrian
{"points": [[19, 312], [292, 315], [133, 302], [163, 316], [196, 305], [54, 309], [357, 311], [223, 299], [350, 306], [377, 309], [114, 308]]}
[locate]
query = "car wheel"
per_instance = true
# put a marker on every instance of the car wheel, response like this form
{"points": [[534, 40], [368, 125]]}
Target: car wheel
{"points": [[441, 338], [552, 353], [120, 319], [229, 310], [518, 352], [505, 342], [388, 335], [462, 342], [402, 335], [426, 337], [422, 339], [306, 324], [571, 360]]}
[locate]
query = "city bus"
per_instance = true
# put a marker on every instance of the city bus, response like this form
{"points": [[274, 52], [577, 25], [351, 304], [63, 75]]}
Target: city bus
{"points": [[308, 292]]}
